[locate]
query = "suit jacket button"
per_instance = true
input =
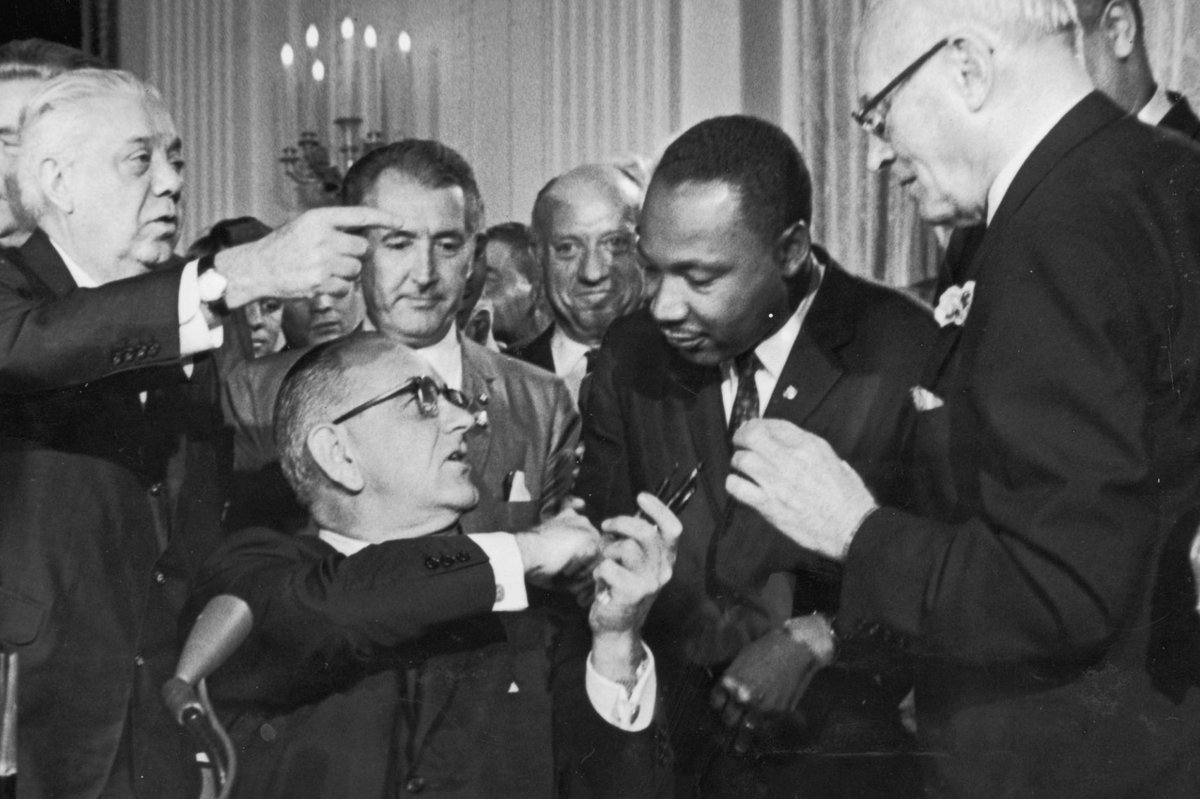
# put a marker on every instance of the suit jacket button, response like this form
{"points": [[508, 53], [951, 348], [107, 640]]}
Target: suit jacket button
{"points": [[116, 359], [447, 560], [414, 785], [462, 557], [139, 661], [154, 349], [141, 351], [267, 733], [431, 563]]}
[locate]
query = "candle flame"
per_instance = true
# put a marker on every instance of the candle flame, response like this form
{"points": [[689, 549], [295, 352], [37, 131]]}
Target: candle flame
{"points": [[318, 71], [347, 28], [369, 37], [312, 37], [405, 42], [287, 55]]}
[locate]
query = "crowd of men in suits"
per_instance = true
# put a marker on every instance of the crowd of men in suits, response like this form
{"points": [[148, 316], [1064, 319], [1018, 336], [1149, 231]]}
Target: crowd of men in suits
{"points": [[921, 552]]}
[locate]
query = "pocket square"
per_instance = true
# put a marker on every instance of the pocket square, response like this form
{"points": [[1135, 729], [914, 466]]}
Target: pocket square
{"points": [[924, 399]]}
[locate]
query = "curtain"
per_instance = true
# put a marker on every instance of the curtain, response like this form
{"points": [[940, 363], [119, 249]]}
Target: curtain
{"points": [[1173, 41]]}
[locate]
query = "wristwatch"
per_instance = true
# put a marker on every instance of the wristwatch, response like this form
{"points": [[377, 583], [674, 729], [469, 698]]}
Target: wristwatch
{"points": [[212, 285]]}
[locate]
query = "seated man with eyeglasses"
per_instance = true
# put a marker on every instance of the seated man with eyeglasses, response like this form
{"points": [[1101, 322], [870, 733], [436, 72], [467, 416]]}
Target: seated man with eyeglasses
{"points": [[377, 663]]}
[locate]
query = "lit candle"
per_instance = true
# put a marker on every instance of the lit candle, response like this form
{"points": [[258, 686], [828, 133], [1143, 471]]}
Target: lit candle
{"points": [[347, 101], [290, 115], [404, 42], [308, 97], [320, 111], [371, 100]]}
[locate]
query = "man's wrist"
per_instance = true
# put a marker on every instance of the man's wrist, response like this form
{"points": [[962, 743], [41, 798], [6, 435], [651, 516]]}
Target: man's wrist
{"points": [[616, 656], [227, 264]]}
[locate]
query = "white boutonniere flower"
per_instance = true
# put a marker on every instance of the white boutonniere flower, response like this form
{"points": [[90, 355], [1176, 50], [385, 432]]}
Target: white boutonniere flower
{"points": [[954, 304]]}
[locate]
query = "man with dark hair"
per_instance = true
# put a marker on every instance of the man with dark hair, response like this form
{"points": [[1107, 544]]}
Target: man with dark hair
{"points": [[748, 316], [584, 224], [378, 659], [1041, 588], [24, 65], [112, 445], [513, 285]]}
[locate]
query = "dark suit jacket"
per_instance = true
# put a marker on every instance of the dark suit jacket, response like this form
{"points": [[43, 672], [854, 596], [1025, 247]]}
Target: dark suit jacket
{"points": [[1045, 590], [537, 351], [385, 671], [106, 511], [847, 378], [965, 241]]}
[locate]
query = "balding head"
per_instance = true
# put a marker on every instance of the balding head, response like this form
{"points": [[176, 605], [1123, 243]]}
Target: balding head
{"points": [[952, 88], [361, 447], [584, 225]]}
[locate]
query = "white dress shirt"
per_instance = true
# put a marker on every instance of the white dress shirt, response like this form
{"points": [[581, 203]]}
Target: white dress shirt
{"points": [[628, 709], [446, 358], [772, 352], [1157, 108], [570, 360]]}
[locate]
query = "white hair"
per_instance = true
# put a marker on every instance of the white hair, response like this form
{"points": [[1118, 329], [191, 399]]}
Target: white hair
{"points": [[54, 124], [1019, 21]]}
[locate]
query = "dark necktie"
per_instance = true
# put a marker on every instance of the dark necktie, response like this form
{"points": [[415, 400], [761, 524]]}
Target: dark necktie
{"points": [[745, 402]]}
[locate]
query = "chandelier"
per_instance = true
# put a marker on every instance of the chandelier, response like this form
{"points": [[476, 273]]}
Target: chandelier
{"points": [[359, 90]]}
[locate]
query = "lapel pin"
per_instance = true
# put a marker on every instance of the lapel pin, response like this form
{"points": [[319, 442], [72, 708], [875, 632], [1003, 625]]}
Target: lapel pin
{"points": [[483, 398], [790, 393], [481, 419]]}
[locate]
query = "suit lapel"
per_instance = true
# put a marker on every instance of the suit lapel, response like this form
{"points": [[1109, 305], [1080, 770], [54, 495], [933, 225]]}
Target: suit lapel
{"points": [[51, 271], [697, 393], [1181, 118], [480, 386]]}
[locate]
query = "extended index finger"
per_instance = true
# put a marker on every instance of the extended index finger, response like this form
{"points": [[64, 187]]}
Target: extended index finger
{"points": [[355, 217]]}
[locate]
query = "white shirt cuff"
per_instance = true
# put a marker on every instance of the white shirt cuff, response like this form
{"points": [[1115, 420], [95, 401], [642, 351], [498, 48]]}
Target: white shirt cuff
{"points": [[501, 550], [630, 710], [195, 335]]}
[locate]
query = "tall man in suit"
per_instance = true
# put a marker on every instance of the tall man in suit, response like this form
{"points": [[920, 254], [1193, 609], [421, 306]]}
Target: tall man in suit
{"points": [[748, 315], [377, 663], [1043, 588], [111, 441], [584, 224]]}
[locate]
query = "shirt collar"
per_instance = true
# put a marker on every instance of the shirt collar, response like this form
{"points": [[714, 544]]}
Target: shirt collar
{"points": [[566, 351], [1153, 112], [343, 544], [1008, 173], [773, 351], [82, 279], [446, 358]]}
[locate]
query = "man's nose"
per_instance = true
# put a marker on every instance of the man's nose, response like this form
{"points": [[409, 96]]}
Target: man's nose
{"points": [[594, 266], [666, 301], [424, 271], [322, 303], [167, 178], [254, 316], [880, 154], [454, 418]]}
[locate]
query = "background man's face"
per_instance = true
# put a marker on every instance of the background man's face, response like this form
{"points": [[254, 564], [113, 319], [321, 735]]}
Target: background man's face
{"points": [[513, 296], [431, 482], [124, 184], [591, 269], [414, 275], [322, 317], [13, 96], [717, 287]]}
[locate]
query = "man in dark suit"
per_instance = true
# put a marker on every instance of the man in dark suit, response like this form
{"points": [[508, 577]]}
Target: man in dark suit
{"points": [[746, 311], [1042, 588], [377, 663], [583, 227], [111, 441], [1114, 52]]}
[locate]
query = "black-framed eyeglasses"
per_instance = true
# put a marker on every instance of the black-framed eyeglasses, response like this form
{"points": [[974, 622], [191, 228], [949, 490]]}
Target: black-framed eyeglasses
{"points": [[424, 388], [869, 115]]}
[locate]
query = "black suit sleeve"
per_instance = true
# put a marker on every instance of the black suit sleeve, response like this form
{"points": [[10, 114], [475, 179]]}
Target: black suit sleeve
{"points": [[323, 620], [49, 342], [604, 478]]}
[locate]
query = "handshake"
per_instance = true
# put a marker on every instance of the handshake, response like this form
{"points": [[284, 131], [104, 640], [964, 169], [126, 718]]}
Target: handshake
{"points": [[630, 557]]}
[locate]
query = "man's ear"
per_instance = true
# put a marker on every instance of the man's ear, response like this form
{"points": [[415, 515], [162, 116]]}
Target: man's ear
{"points": [[793, 248], [335, 457], [1120, 27], [55, 185], [974, 70]]}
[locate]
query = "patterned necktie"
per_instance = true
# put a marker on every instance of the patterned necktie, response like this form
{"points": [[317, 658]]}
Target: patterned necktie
{"points": [[745, 402]]}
